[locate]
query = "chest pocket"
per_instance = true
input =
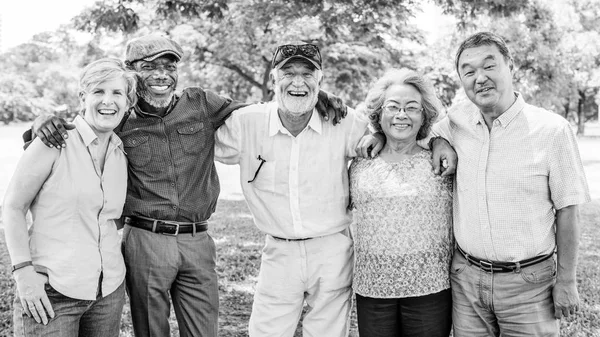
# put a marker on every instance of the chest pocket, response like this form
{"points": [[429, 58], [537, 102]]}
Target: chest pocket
{"points": [[265, 177], [137, 149], [193, 137]]}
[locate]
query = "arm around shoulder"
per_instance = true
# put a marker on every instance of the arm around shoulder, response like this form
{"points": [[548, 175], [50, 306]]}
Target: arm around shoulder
{"points": [[51, 130], [220, 107], [228, 141]]}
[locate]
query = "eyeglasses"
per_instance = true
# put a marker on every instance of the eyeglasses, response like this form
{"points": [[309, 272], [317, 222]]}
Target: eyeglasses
{"points": [[262, 161], [310, 51], [393, 109]]}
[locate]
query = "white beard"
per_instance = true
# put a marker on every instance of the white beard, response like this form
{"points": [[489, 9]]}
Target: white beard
{"points": [[296, 106], [157, 103]]}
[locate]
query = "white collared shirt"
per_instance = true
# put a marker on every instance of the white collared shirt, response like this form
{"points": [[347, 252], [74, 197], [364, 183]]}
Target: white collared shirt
{"points": [[73, 235], [301, 190]]}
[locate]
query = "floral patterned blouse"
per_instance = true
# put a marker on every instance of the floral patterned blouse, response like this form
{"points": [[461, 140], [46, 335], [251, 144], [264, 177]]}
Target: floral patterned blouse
{"points": [[403, 217]]}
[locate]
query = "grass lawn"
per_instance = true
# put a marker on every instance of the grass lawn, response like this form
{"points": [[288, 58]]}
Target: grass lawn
{"points": [[239, 246]]}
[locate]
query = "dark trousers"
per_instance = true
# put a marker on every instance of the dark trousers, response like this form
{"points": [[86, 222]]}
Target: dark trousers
{"points": [[180, 268], [426, 316]]}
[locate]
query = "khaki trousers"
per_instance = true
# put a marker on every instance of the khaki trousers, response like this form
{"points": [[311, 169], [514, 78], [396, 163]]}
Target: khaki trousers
{"points": [[316, 271]]}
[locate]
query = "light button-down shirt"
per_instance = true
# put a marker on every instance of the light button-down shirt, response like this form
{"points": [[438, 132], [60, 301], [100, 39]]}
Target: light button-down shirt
{"points": [[73, 235], [301, 190]]}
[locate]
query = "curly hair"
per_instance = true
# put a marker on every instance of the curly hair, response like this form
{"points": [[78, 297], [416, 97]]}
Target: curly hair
{"points": [[376, 97]]}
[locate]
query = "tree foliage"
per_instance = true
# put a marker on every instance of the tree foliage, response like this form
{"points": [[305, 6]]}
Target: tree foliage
{"points": [[235, 39], [229, 44], [468, 11], [554, 48], [38, 76]]}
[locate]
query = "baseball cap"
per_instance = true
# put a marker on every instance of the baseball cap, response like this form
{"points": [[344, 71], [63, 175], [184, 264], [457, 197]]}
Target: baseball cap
{"points": [[151, 47], [306, 51]]}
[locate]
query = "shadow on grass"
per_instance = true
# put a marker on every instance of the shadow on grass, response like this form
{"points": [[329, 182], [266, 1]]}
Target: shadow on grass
{"points": [[239, 244]]}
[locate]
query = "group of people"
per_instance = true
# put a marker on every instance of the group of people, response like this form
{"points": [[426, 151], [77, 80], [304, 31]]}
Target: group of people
{"points": [[490, 251]]}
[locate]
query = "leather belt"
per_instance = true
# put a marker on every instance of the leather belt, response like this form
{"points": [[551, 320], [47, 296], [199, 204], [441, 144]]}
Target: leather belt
{"points": [[167, 227], [503, 267], [289, 240]]}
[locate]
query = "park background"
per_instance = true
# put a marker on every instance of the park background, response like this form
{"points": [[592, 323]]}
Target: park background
{"points": [[228, 46]]}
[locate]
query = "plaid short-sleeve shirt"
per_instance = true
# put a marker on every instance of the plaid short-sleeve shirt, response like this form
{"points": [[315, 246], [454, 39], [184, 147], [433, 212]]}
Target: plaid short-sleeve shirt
{"points": [[511, 179]]}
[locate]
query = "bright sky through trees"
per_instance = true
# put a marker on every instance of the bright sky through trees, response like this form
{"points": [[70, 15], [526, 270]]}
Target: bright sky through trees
{"points": [[25, 18], [19, 22]]}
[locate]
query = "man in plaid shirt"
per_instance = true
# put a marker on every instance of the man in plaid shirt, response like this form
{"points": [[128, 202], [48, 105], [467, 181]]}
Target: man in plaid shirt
{"points": [[519, 181]]}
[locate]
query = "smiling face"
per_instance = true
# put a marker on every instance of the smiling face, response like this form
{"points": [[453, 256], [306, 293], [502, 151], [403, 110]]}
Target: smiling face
{"points": [[404, 125], [105, 104], [486, 77], [156, 81], [296, 87]]}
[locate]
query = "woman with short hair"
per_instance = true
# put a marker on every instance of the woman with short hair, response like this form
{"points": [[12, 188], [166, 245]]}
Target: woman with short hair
{"points": [[68, 267], [403, 217]]}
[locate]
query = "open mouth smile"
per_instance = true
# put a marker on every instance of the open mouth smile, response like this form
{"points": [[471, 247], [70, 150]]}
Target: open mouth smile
{"points": [[160, 88], [107, 112], [297, 93], [401, 126]]}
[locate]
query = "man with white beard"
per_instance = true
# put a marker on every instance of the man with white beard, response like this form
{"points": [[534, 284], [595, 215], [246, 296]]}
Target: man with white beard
{"points": [[293, 171]]}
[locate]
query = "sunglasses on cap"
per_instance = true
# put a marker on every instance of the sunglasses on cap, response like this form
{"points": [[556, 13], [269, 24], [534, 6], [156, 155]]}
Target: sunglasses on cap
{"points": [[307, 51]]}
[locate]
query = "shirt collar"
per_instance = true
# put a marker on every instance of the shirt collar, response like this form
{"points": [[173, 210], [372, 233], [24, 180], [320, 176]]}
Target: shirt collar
{"points": [[512, 112], [275, 125], [85, 130], [89, 136], [506, 117]]}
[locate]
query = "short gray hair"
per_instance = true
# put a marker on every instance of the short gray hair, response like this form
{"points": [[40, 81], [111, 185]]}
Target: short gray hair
{"points": [[376, 97]]}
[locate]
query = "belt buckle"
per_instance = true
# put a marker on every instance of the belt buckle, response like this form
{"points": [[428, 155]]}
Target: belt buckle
{"points": [[486, 266], [176, 225]]}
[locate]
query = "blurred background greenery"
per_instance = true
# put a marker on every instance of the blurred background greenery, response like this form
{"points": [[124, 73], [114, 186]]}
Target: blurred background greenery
{"points": [[229, 43]]}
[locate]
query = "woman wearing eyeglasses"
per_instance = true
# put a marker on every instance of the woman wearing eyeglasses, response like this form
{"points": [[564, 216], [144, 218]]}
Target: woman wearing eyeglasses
{"points": [[403, 217]]}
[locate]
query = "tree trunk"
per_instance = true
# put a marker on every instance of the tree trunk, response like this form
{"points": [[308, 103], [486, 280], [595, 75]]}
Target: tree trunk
{"points": [[566, 107], [267, 94], [581, 114]]}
